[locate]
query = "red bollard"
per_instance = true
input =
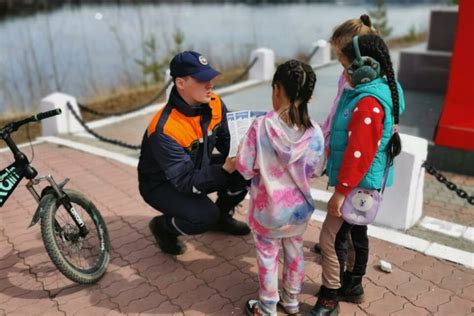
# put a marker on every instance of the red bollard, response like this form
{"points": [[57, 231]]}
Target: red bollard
{"points": [[456, 125]]}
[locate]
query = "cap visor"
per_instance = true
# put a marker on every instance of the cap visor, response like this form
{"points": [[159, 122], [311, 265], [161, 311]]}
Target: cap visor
{"points": [[206, 75]]}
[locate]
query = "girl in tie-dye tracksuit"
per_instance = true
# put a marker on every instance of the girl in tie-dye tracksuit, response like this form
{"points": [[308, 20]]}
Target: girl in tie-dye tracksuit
{"points": [[280, 153]]}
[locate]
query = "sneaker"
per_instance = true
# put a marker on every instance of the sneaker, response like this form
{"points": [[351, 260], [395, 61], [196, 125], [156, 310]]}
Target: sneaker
{"points": [[252, 309], [290, 308], [167, 241], [230, 225]]}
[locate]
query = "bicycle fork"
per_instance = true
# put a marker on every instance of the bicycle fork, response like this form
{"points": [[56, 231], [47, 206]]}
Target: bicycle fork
{"points": [[63, 198]]}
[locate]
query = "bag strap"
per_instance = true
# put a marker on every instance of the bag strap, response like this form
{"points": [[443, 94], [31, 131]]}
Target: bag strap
{"points": [[385, 174]]}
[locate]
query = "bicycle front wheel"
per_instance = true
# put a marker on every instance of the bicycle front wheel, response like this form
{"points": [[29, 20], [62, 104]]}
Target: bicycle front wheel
{"points": [[81, 259]]}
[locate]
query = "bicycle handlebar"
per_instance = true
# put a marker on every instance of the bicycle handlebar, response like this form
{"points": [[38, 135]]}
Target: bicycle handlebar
{"points": [[37, 117], [12, 127]]}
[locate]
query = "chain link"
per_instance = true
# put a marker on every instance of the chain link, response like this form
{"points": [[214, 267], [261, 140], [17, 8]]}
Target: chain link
{"points": [[450, 185], [98, 113], [100, 137]]}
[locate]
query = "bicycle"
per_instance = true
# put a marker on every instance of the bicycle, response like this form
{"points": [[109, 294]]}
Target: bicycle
{"points": [[72, 229]]}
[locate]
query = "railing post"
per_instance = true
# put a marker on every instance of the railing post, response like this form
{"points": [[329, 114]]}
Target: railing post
{"points": [[402, 204], [264, 68], [167, 78], [60, 124], [323, 53]]}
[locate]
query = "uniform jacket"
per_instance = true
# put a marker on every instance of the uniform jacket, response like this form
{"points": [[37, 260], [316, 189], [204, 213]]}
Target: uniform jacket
{"points": [[178, 143]]}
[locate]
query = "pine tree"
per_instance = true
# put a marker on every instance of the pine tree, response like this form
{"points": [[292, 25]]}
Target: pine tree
{"points": [[379, 18]]}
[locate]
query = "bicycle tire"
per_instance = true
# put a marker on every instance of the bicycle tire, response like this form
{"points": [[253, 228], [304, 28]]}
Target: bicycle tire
{"points": [[50, 238]]}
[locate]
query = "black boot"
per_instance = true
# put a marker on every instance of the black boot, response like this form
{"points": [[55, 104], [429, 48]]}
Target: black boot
{"points": [[228, 224], [166, 237], [327, 304], [351, 290]]}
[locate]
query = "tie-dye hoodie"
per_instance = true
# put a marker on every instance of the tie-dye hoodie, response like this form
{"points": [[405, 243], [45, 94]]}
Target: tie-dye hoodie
{"points": [[280, 167]]}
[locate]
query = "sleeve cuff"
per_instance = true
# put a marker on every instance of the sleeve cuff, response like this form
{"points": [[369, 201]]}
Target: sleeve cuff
{"points": [[344, 190]]}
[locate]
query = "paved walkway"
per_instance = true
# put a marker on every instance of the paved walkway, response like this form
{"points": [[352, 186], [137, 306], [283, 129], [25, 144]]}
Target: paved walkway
{"points": [[217, 274]]}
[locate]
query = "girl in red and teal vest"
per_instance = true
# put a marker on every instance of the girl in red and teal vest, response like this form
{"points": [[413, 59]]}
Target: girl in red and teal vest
{"points": [[363, 136]]}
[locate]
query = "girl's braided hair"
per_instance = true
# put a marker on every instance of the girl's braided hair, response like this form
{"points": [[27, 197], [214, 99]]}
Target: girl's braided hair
{"points": [[374, 46], [298, 80]]}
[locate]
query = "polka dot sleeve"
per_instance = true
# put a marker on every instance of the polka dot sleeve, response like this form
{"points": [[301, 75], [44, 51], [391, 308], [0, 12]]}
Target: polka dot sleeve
{"points": [[364, 134]]}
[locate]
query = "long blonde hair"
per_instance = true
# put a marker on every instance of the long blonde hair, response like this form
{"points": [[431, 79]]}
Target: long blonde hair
{"points": [[344, 33]]}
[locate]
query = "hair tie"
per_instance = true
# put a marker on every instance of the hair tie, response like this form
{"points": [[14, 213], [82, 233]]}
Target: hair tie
{"points": [[395, 128]]}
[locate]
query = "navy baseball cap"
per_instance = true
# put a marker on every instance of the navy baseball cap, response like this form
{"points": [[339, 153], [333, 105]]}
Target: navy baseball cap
{"points": [[192, 64]]}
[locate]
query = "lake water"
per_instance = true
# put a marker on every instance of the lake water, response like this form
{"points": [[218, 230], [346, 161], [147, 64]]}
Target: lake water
{"points": [[88, 49]]}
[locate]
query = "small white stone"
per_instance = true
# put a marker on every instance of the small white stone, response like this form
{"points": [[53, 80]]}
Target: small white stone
{"points": [[376, 110], [367, 120], [385, 266], [357, 154]]}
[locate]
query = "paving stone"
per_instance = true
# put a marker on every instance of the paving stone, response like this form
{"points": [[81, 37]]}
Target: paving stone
{"points": [[373, 293], [410, 309], [468, 293], [211, 274], [202, 293], [165, 308], [350, 309], [388, 304], [432, 299], [40, 307], [236, 292], [413, 288], [144, 303], [457, 281], [229, 309], [164, 280], [75, 305], [224, 282], [211, 305], [456, 306], [392, 280], [176, 289], [104, 307], [159, 259], [205, 262]]}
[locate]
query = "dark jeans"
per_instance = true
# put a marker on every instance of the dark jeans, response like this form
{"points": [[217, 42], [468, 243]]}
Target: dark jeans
{"points": [[193, 214], [360, 242]]}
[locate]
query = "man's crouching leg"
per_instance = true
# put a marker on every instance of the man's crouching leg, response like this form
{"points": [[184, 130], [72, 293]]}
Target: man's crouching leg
{"points": [[166, 235], [227, 200]]}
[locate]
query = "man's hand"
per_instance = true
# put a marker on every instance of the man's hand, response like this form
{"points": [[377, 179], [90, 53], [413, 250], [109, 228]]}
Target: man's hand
{"points": [[335, 204], [229, 164]]}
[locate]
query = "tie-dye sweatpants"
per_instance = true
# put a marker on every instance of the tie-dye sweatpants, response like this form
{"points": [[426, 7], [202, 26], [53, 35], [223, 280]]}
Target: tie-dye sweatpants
{"points": [[293, 270]]}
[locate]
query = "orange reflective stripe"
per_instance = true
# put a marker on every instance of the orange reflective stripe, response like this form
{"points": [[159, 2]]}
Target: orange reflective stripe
{"points": [[154, 122], [184, 130]]}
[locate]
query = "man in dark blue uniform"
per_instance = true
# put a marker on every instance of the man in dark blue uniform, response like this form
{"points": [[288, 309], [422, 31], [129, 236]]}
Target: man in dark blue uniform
{"points": [[177, 166]]}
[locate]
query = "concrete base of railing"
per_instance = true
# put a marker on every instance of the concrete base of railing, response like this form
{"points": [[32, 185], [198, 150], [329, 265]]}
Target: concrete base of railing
{"points": [[60, 124], [403, 202], [322, 55], [264, 67]]}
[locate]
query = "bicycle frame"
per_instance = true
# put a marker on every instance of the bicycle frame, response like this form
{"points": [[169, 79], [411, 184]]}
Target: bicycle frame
{"points": [[14, 173]]}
